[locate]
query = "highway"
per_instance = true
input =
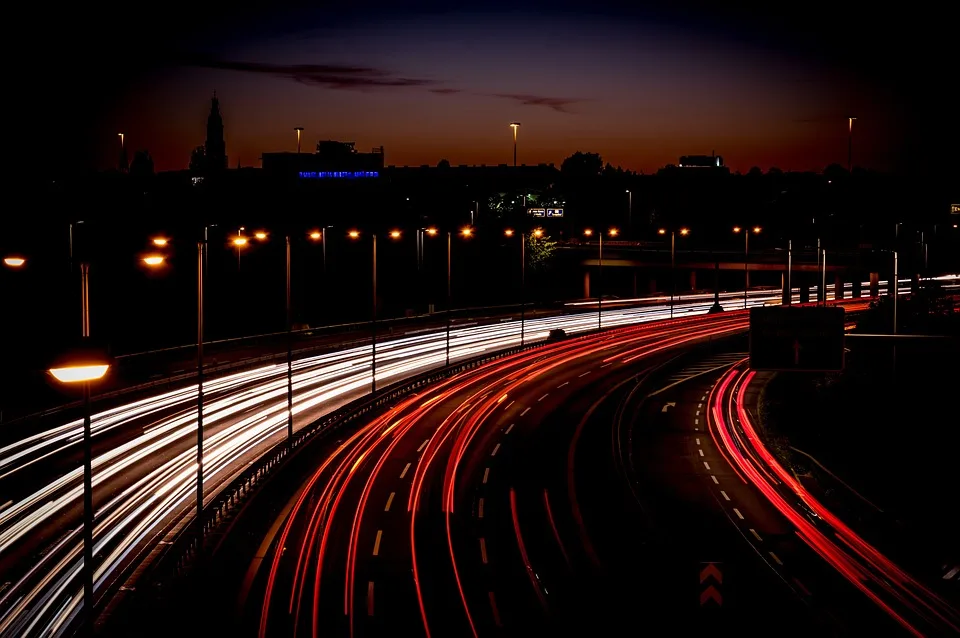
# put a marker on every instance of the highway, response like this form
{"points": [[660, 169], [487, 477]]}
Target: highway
{"points": [[144, 457]]}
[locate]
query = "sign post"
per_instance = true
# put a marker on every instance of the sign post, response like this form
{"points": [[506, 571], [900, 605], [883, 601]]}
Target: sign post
{"points": [[807, 339]]}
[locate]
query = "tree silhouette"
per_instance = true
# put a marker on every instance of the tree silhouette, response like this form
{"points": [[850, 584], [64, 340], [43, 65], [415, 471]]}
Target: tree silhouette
{"points": [[444, 163], [754, 172], [198, 160], [580, 165], [540, 252], [142, 164]]}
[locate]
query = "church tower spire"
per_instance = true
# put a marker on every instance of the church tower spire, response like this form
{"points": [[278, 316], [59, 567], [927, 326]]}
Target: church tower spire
{"points": [[215, 146]]}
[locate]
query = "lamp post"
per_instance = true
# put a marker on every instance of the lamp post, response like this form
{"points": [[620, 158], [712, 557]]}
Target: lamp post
{"points": [[613, 232], [673, 262], [14, 261], [515, 126], [289, 350], [789, 297], [355, 234], [849, 146], [746, 250], [629, 213], [523, 278], [85, 368], [299, 130]]}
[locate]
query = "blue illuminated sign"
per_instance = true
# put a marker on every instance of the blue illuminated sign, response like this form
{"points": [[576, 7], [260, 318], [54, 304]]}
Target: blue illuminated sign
{"points": [[337, 174]]}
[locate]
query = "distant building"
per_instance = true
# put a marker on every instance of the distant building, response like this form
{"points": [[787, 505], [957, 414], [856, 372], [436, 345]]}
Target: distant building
{"points": [[701, 161], [333, 160], [215, 148]]}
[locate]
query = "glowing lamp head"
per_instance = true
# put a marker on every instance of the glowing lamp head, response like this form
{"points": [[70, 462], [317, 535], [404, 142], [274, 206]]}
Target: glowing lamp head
{"points": [[260, 235], [353, 234], [153, 260], [160, 241], [508, 232], [431, 231], [466, 231], [587, 232], [315, 235], [14, 262], [614, 232], [395, 234], [684, 231], [662, 231], [80, 372], [737, 229], [240, 241], [538, 232], [756, 230]]}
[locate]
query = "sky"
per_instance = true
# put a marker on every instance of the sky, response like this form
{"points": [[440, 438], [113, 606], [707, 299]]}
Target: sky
{"points": [[641, 84]]}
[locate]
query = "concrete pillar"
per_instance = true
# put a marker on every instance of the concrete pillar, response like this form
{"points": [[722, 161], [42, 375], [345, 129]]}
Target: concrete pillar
{"points": [[857, 285], [784, 292], [586, 284], [805, 290], [874, 284], [693, 280], [837, 285]]}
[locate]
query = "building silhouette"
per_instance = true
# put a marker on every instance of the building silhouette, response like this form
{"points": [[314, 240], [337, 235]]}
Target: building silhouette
{"points": [[215, 148]]}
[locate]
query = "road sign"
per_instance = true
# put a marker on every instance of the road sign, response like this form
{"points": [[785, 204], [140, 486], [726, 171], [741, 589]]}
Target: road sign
{"points": [[536, 212], [554, 212], [711, 578], [797, 338]]}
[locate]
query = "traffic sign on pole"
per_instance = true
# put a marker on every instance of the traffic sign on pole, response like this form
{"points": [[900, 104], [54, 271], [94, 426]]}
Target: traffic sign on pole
{"points": [[797, 338]]}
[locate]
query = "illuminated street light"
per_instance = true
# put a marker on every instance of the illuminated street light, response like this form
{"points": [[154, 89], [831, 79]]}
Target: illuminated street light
{"points": [[466, 231], [316, 235], [353, 234], [746, 250], [515, 126], [261, 235], [684, 231], [395, 234], [153, 260], [15, 262], [662, 231], [737, 229], [614, 232], [587, 232], [239, 241], [538, 233], [508, 232], [756, 230], [80, 373], [432, 231], [160, 241]]}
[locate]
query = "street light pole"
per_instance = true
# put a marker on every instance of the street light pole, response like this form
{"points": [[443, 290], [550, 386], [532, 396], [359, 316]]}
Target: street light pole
{"points": [[373, 323], [673, 271], [447, 313], [823, 281], [201, 249], [896, 292], [600, 284], [746, 274], [515, 126], [629, 213], [289, 349], [789, 296], [523, 284], [88, 598]]}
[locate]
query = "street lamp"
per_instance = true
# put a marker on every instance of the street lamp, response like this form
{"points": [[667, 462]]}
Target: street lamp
{"points": [[153, 260], [629, 211], [515, 126], [299, 130], [746, 250], [850, 144], [85, 366], [523, 280], [673, 261], [260, 235], [14, 261], [613, 232], [355, 234], [160, 242]]}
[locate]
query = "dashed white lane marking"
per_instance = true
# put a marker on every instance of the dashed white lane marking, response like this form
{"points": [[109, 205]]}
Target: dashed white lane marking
{"points": [[698, 441], [507, 407], [524, 413], [480, 508], [486, 475], [370, 598], [755, 535], [776, 558], [706, 465], [563, 384], [696, 421], [606, 364], [406, 468], [389, 501], [585, 374], [493, 608], [737, 512], [716, 482], [950, 574], [483, 551], [701, 452], [543, 397], [423, 445], [376, 543], [509, 428], [698, 412], [703, 398], [699, 405], [724, 494], [496, 448]]}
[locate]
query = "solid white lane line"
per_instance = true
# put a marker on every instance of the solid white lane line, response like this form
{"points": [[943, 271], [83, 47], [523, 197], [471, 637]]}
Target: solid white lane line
{"points": [[724, 494], [543, 397], [480, 508], [483, 551], [776, 558], [496, 448], [701, 452], [585, 374], [706, 465], [389, 501], [405, 469], [715, 479], [524, 413], [509, 428], [486, 475], [563, 384], [423, 445], [376, 543], [754, 532]]}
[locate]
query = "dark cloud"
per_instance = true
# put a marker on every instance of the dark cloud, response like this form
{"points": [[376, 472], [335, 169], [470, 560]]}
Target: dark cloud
{"points": [[445, 91], [331, 76], [560, 104]]}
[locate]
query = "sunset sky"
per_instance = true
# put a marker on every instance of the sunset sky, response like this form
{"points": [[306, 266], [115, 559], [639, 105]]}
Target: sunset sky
{"points": [[639, 86]]}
